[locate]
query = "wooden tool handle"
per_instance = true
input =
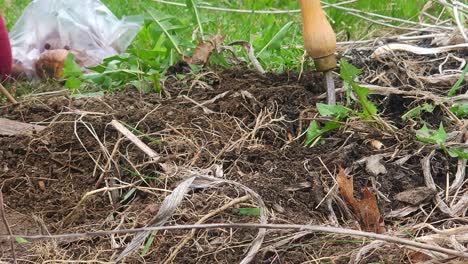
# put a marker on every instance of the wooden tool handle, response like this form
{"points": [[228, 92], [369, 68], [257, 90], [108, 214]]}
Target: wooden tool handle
{"points": [[319, 37]]}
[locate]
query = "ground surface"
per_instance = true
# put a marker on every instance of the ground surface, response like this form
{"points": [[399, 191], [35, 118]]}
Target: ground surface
{"points": [[251, 130]]}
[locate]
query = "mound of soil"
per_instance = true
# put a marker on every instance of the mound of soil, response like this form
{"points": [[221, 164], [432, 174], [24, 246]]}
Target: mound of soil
{"points": [[250, 125]]}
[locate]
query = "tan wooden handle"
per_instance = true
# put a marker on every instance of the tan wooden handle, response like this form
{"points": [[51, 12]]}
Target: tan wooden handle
{"points": [[319, 37]]}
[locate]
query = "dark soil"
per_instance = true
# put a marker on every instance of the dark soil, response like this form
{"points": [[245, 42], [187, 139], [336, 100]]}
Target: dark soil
{"points": [[45, 175]]}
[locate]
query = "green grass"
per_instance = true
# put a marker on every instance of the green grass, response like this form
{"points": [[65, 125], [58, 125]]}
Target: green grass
{"points": [[153, 51]]}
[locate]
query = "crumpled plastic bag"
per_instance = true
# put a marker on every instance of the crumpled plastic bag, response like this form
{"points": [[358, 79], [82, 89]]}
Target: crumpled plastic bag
{"points": [[86, 27]]}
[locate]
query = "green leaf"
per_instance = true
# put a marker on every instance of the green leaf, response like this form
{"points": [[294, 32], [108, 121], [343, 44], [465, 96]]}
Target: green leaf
{"points": [[337, 111], [314, 131], [424, 134], [250, 211], [153, 13], [71, 68], [431, 136], [347, 71], [455, 87], [275, 41], [128, 195], [192, 5], [21, 240], [73, 83], [369, 109], [417, 111], [460, 110], [148, 243], [457, 152]]}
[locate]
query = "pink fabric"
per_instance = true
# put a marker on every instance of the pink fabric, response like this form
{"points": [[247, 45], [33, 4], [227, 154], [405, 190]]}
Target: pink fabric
{"points": [[5, 51]]}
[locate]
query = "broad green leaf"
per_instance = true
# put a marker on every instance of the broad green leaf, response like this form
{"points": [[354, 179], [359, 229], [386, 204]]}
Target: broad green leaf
{"points": [[424, 134], [314, 131], [457, 152], [250, 211], [431, 136], [337, 111], [417, 111], [275, 41], [71, 68], [440, 136], [347, 71], [21, 240], [455, 87], [369, 109], [73, 83], [460, 110]]}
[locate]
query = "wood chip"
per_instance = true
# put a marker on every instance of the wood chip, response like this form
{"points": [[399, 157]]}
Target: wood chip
{"points": [[14, 128], [415, 196]]}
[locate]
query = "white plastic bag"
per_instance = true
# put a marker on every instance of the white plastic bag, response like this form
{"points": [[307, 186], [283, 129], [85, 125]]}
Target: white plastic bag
{"points": [[86, 27]]}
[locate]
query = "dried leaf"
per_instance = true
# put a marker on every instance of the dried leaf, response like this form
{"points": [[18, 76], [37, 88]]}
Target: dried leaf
{"points": [[366, 209], [50, 64], [201, 54], [417, 257], [345, 185], [369, 213], [374, 165], [204, 49], [376, 144], [426, 7]]}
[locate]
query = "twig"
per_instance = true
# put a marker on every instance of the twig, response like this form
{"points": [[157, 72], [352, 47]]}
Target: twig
{"points": [[426, 166], [201, 221], [314, 228], [7, 226], [129, 135], [206, 110], [251, 53], [389, 48], [7, 94], [108, 164]]}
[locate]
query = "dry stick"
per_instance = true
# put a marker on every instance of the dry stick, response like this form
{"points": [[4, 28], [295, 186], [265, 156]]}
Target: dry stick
{"points": [[7, 226], [314, 228], [7, 94], [201, 221], [206, 110], [129, 135], [457, 183], [108, 164], [251, 53]]}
